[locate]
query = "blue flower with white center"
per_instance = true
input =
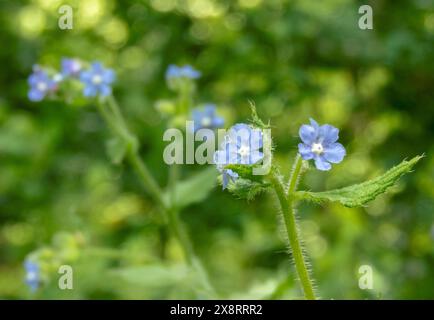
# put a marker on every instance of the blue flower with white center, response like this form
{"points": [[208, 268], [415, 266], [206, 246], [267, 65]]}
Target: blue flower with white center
{"points": [[241, 145], [319, 143], [97, 80], [186, 71], [41, 84], [207, 117], [32, 277], [70, 67]]}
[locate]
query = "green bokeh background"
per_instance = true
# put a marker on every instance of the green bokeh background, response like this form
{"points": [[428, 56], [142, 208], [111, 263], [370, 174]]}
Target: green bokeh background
{"points": [[295, 60]]}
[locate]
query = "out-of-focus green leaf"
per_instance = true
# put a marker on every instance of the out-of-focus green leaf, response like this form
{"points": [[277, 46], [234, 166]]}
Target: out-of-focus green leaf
{"points": [[194, 189], [116, 150], [155, 275], [359, 194]]}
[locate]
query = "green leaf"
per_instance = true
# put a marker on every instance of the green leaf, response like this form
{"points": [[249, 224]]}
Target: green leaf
{"points": [[116, 150], [155, 275], [255, 120], [359, 194], [194, 189], [247, 189]]}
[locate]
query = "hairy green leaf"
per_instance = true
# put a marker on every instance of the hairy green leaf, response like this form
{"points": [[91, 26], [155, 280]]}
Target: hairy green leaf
{"points": [[359, 194], [247, 189], [255, 120]]}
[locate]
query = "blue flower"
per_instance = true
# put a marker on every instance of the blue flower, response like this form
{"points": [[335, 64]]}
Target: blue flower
{"points": [[32, 278], [206, 117], [241, 145], [186, 71], [70, 67], [319, 143], [40, 84], [97, 80]]}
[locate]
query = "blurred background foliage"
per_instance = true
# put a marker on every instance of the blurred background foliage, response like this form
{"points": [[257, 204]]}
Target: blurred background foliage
{"points": [[295, 60]]}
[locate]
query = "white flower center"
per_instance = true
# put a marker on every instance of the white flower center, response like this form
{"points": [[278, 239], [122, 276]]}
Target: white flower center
{"points": [[205, 122], [58, 77], [96, 79], [41, 86], [75, 67], [317, 148], [31, 276], [244, 151]]}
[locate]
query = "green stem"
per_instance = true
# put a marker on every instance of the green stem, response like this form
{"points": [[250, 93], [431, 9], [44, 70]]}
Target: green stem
{"points": [[184, 97], [173, 179], [293, 179], [117, 123], [146, 178], [292, 232]]}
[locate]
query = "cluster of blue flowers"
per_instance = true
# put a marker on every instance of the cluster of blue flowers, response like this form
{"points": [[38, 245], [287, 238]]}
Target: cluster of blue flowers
{"points": [[96, 80], [241, 145]]}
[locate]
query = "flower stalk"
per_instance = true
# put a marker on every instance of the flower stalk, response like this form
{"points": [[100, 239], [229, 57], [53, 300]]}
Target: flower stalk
{"points": [[111, 113], [287, 204]]}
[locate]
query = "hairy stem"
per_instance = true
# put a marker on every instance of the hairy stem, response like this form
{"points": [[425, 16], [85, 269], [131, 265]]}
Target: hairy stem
{"points": [[295, 175], [292, 232]]}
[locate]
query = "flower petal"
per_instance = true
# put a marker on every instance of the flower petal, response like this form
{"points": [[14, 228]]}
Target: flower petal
{"points": [[86, 76], [89, 91], [33, 79], [209, 110], [308, 134], [256, 156], [35, 95], [334, 153], [328, 134], [239, 134], [256, 139], [314, 124], [305, 151], [108, 76], [218, 122], [97, 66], [105, 90], [322, 164]]}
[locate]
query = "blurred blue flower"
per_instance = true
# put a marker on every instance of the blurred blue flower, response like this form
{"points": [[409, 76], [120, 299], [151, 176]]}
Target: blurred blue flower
{"points": [[186, 71], [241, 145], [97, 80], [207, 117], [40, 84], [32, 277], [70, 67], [319, 143]]}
